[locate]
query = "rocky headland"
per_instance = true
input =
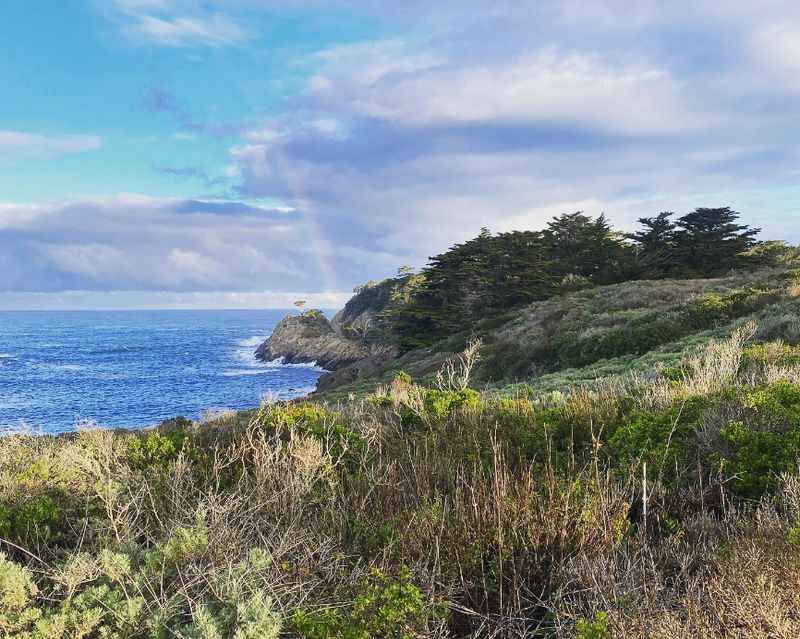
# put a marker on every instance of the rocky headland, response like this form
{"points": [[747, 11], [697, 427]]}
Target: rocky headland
{"points": [[353, 344], [308, 338]]}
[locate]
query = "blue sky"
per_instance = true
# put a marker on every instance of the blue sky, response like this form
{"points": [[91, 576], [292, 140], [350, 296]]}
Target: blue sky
{"points": [[241, 153]]}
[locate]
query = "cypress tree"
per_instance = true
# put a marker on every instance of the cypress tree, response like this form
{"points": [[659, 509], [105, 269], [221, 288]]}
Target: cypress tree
{"points": [[654, 245], [709, 241]]}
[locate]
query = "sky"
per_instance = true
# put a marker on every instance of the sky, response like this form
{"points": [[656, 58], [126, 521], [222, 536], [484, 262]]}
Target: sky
{"points": [[247, 153]]}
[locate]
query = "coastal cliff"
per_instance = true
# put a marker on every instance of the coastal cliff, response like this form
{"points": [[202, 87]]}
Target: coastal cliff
{"points": [[355, 342], [310, 337]]}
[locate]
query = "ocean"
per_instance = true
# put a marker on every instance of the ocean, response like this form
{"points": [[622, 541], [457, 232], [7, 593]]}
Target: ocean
{"points": [[63, 370]]}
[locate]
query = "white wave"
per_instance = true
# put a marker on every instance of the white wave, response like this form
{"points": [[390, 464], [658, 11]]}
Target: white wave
{"points": [[61, 367], [256, 340], [21, 428], [7, 356], [279, 363], [246, 371], [246, 352], [246, 355], [300, 391]]}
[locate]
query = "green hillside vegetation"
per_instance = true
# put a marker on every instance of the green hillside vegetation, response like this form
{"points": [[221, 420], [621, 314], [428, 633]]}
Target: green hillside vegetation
{"points": [[577, 338], [578, 300], [491, 275]]}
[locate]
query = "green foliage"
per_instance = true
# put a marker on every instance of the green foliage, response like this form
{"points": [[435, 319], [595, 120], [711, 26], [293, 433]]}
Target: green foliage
{"points": [[772, 353], [314, 420], [703, 243], [793, 536], [757, 451], [662, 439], [467, 287], [579, 340], [437, 404], [17, 593], [39, 514], [636, 337], [598, 628], [713, 309], [523, 429], [105, 597], [485, 277], [757, 458], [440, 404], [390, 608], [156, 448], [183, 545]]}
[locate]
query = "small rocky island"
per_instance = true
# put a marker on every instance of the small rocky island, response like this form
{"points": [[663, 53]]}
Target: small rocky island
{"points": [[350, 345], [311, 338]]}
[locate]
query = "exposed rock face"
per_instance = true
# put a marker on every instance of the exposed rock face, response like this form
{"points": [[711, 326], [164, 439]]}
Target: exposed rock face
{"points": [[356, 342], [306, 338], [371, 365]]}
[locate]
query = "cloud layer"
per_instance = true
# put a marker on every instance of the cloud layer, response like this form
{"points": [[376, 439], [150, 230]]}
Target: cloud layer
{"points": [[140, 243], [505, 114]]}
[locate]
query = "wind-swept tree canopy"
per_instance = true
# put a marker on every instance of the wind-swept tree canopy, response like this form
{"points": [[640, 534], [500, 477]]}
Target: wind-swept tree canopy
{"points": [[654, 244], [709, 241], [491, 274], [702, 243]]}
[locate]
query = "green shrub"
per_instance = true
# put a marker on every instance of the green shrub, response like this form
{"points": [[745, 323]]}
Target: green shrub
{"points": [[772, 353], [38, 515], [757, 458], [662, 439], [385, 607], [708, 310], [325, 425], [155, 448], [765, 441], [598, 628], [440, 404], [437, 405], [110, 596], [17, 594], [524, 431]]}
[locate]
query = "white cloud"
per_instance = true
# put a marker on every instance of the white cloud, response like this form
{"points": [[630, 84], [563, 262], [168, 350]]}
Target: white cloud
{"points": [[177, 23], [183, 31], [496, 114], [777, 47], [18, 144], [570, 109], [545, 88]]}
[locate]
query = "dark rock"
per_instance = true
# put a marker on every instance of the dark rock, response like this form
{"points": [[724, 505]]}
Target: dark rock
{"points": [[307, 338]]}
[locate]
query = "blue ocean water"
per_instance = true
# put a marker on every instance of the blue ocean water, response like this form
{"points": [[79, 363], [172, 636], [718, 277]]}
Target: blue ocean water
{"points": [[136, 368]]}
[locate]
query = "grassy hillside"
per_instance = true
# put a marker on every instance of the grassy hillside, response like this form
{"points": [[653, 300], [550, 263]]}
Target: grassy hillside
{"points": [[664, 504], [576, 338]]}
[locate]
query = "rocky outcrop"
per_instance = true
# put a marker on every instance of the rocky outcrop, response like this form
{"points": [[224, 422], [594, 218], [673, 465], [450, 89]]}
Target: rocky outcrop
{"points": [[371, 365], [356, 342], [310, 337]]}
